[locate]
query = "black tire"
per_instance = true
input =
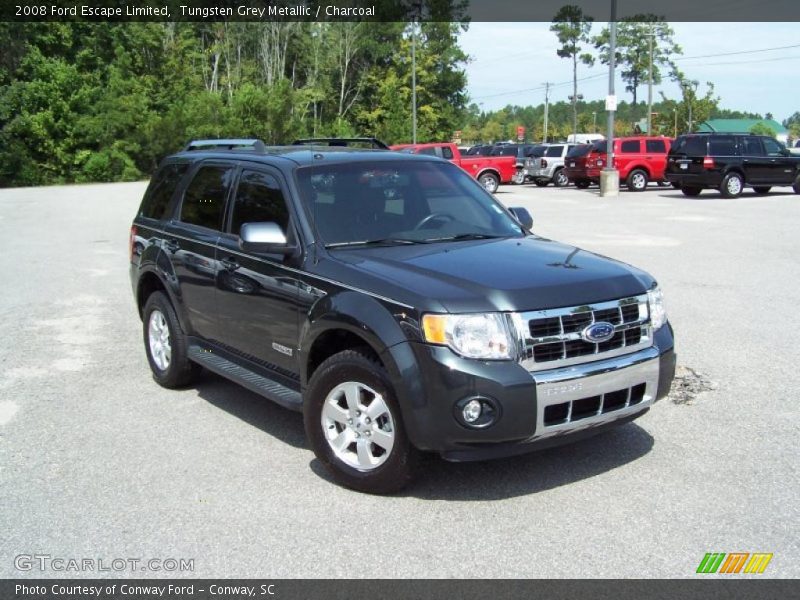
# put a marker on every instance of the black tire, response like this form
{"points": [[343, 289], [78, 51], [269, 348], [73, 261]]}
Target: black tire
{"points": [[490, 182], [541, 182], [691, 191], [637, 180], [732, 185], [796, 185], [762, 189], [179, 371], [398, 467], [582, 184], [560, 178]]}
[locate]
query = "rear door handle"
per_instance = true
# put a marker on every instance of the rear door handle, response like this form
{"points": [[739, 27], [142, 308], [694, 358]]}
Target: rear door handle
{"points": [[229, 264]]}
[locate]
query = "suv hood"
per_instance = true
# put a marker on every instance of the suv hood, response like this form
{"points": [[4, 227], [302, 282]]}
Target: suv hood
{"points": [[516, 274]]}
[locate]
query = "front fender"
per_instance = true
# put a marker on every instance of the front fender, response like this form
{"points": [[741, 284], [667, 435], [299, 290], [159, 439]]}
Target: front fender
{"points": [[387, 329]]}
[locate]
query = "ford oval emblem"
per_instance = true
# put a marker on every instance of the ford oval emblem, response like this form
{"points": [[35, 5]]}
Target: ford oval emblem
{"points": [[598, 332]]}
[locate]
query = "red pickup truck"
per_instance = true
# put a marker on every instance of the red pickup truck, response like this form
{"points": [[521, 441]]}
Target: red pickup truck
{"points": [[490, 171]]}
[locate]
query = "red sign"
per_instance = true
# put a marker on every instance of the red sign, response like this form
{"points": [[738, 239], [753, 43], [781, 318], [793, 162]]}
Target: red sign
{"points": [[520, 132]]}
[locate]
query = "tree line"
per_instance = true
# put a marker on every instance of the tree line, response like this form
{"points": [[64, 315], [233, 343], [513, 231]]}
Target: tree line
{"points": [[105, 101]]}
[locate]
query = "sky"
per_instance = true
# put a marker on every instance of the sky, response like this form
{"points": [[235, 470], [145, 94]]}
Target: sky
{"points": [[510, 62]]}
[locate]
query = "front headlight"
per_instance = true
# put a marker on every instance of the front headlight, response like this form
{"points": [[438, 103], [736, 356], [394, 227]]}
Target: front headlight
{"points": [[485, 336], [658, 314]]}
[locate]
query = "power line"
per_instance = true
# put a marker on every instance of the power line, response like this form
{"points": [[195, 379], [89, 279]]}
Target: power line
{"points": [[737, 52]]}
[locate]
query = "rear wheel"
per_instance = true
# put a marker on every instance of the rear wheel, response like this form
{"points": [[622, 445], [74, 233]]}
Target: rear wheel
{"points": [[732, 185], [354, 425], [560, 179], [490, 182], [582, 184], [637, 180], [691, 191], [762, 189], [165, 344], [796, 186], [541, 182]]}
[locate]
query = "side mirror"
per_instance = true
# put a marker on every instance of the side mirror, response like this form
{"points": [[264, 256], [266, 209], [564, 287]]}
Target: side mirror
{"points": [[522, 215], [264, 238]]}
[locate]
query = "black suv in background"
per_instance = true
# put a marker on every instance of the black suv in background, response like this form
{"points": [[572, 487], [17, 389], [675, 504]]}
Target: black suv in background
{"points": [[729, 162], [393, 301]]}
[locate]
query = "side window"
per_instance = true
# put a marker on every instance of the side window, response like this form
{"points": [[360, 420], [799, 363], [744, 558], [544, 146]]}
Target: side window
{"points": [[204, 200], [554, 151], [447, 152], [160, 190], [722, 145], [751, 146], [656, 146], [630, 147], [258, 199], [430, 150], [772, 147]]}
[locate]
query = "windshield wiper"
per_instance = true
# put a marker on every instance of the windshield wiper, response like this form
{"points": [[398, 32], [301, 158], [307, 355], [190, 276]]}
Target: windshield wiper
{"points": [[379, 242], [467, 236]]}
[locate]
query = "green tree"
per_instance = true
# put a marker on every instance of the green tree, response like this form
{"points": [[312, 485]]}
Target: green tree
{"points": [[762, 129], [572, 28], [634, 37]]}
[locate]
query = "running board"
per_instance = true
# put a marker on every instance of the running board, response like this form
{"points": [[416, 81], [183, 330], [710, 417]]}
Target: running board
{"points": [[263, 386]]}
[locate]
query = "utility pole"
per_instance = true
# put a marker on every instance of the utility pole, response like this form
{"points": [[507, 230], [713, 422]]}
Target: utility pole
{"points": [[650, 83], [609, 176], [414, 81], [547, 85]]}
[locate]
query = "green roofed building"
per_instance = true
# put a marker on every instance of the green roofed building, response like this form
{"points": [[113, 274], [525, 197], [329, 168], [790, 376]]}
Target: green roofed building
{"points": [[742, 126]]}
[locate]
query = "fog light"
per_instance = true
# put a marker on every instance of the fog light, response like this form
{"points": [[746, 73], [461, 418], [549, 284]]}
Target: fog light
{"points": [[472, 411]]}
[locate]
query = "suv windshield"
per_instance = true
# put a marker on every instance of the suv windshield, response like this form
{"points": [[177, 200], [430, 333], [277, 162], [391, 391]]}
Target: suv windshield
{"points": [[399, 202]]}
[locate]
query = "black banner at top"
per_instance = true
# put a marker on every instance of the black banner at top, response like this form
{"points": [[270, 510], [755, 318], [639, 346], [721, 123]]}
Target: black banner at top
{"points": [[392, 10]]}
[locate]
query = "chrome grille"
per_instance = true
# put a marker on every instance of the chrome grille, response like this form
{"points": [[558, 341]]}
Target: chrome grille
{"points": [[553, 338]]}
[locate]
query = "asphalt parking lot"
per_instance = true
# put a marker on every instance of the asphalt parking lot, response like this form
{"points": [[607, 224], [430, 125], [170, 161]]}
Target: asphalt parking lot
{"points": [[97, 461]]}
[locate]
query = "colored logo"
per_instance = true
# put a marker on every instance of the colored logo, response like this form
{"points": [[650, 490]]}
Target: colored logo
{"points": [[735, 562], [598, 332]]}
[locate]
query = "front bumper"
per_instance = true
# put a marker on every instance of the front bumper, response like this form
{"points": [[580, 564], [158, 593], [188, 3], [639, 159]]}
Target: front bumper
{"points": [[536, 409]]}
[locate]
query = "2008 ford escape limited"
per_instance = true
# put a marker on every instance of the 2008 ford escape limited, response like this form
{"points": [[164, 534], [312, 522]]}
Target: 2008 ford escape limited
{"points": [[393, 301]]}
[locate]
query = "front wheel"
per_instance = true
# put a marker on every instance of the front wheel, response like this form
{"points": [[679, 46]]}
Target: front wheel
{"points": [[732, 185], [490, 182], [637, 181], [354, 425], [560, 179], [691, 191], [165, 344], [762, 189]]}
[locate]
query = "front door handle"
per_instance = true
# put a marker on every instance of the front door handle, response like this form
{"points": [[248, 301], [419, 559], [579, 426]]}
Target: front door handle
{"points": [[229, 264]]}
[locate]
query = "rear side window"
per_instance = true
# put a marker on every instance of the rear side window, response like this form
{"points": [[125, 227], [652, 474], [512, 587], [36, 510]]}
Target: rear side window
{"points": [[630, 146], [161, 189], [751, 146], [656, 146], [258, 199], [447, 152], [554, 151], [691, 145], [204, 200], [719, 145]]}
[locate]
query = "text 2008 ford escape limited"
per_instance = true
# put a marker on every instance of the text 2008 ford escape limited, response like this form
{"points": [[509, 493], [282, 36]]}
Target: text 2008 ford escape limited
{"points": [[393, 301]]}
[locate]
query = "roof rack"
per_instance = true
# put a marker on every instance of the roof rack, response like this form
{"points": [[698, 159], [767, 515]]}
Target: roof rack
{"points": [[342, 142], [227, 144]]}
